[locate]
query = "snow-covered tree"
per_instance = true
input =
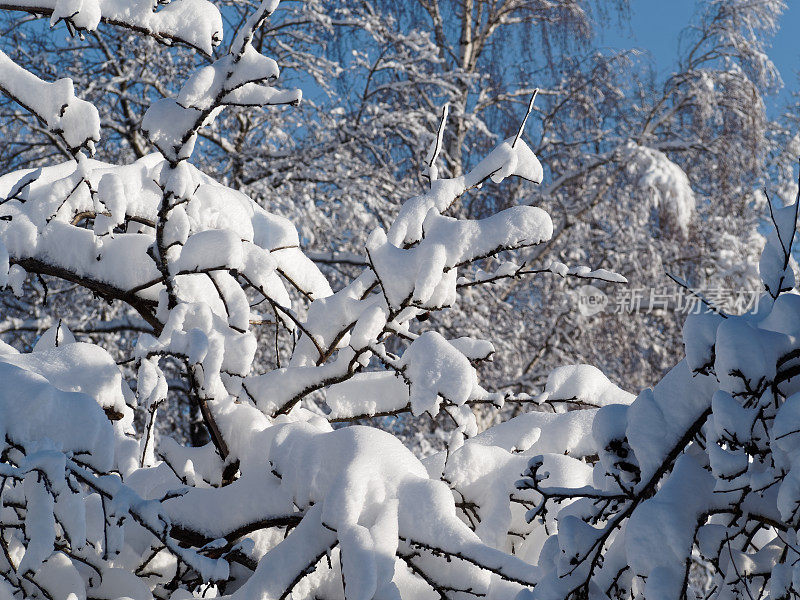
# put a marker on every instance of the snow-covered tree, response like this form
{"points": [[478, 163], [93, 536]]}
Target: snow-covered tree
{"points": [[680, 153], [92, 502], [311, 167], [692, 487], [644, 174]]}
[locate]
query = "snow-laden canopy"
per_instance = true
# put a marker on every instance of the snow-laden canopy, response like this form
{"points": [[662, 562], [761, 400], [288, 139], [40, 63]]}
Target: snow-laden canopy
{"points": [[629, 497], [93, 504]]}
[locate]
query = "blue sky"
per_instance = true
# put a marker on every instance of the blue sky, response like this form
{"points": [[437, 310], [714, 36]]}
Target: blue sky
{"points": [[656, 25]]}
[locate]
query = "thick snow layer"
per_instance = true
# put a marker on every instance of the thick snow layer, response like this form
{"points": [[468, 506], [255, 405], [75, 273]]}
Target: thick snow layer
{"points": [[370, 393], [34, 411], [744, 354], [426, 272], [543, 433], [373, 493], [232, 231], [700, 469], [660, 533], [210, 249], [78, 367], [281, 502], [215, 512], [76, 120], [775, 267], [583, 383], [502, 162], [659, 416], [194, 22], [434, 370], [235, 79], [55, 336], [665, 182], [699, 337], [511, 157]]}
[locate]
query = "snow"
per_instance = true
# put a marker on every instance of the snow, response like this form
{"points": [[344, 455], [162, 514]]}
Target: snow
{"points": [[356, 493], [586, 488], [235, 79], [76, 120], [210, 249], [372, 392], [197, 23], [229, 223], [425, 273], [215, 512], [699, 336], [659, 416], [672, 494], [502, 162], [83, 14], [369, 326], [744, 354], [343, 482], [775, 266], [435, 369], [583, 383], [39, 419], [666, 181], [660, 533], [77, 367], [472, 348], [543, 433], [167, 122], [509, 158]]}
